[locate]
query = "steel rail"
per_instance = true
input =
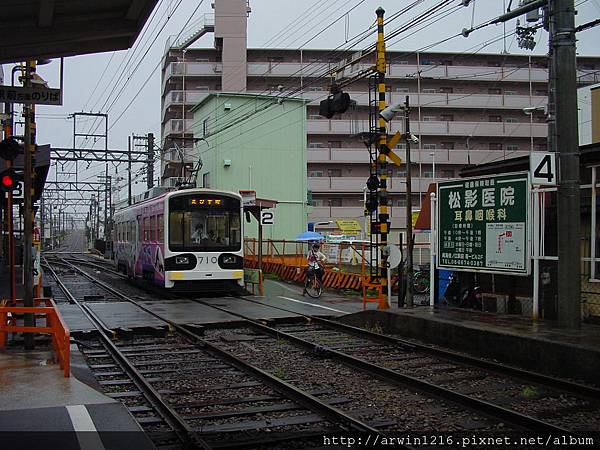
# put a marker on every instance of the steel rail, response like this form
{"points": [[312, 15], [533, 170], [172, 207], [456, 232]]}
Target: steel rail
{"points": [[181, 428], [400, 379], [504, 369], [303, 398], [545, 380]]}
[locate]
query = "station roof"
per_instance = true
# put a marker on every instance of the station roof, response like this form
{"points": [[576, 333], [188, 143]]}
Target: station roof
{"points": [[588, 154], [36, 29]]}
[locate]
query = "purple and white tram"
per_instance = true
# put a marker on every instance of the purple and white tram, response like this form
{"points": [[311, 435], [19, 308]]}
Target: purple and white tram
{"points": [[186, 240]]}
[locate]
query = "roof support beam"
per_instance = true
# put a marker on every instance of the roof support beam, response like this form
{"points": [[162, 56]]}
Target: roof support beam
{"points": [[46, 14]]}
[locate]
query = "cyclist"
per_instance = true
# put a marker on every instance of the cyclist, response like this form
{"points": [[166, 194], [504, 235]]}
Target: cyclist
{"points": [[315, 259]]}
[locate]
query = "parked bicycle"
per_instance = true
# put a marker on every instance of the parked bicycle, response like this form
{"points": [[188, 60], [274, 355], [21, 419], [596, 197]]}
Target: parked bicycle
{"points": [[421, 280]]}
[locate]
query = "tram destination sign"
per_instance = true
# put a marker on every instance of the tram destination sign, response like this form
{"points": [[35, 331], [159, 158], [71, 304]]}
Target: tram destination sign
{"points": [[483, 224]]}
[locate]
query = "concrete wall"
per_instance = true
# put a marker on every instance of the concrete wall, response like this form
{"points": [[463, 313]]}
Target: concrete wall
{"points": [[252, 142]]}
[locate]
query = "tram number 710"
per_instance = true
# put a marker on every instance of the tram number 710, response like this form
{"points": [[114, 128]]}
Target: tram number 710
{"points": [[211, 259]]}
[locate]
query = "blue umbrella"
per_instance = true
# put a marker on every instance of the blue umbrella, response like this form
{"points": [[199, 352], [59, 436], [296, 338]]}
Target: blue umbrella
{"points": [[310, 236]]}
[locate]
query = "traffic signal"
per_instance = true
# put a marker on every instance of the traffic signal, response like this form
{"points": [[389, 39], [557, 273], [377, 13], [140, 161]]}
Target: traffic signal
{"points": [[10, 148], [8, 180]]}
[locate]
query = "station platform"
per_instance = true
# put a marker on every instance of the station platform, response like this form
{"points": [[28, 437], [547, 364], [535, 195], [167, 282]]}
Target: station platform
{"points": [[512, 339], [40, 409]]}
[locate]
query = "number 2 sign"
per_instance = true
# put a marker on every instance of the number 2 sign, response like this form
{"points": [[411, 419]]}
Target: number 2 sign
{"points": [[542, 166]]}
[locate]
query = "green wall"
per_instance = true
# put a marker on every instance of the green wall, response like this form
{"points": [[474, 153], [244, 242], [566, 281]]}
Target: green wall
{"points": [[265, 141]]}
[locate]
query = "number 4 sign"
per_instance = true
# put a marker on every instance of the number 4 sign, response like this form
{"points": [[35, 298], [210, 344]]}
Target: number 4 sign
{"points": [[542, 166]]}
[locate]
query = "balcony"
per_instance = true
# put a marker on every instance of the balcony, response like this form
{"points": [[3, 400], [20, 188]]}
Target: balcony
{"points": [[442, 156], [174, 126], [176, 98], [355, 185], [322, 213], [500, 129], [480, 73]]}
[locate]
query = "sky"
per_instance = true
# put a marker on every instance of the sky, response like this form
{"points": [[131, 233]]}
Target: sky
{"points": [[92, 82]]}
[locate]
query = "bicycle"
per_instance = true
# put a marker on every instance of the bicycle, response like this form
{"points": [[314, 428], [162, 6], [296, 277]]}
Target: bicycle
{"points": [[421, 281], [312, 285]]}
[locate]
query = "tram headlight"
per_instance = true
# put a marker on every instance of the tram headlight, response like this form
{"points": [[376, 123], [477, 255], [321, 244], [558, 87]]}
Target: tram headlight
{"points": [[182, 260]]}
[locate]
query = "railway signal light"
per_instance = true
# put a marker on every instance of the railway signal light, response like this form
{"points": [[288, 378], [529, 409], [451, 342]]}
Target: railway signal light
{"points": [[10, 148], [8, 180], [337, 103]]}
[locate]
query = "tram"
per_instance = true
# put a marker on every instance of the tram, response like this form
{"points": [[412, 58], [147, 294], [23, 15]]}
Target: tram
{"points": [[187, 240]]}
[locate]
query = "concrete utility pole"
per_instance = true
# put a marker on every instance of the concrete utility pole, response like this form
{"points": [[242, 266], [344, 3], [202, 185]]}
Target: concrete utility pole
{"points": [[566, 145], [150, 171], [409, 239], [29, 116]]}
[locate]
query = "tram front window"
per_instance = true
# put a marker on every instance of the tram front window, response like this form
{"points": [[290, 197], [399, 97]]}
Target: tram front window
{"points": [[198, 223]]}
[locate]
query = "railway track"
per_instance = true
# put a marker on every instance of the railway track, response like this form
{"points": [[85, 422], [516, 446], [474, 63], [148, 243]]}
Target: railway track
{"points": [[478, 394], [187, 392]]}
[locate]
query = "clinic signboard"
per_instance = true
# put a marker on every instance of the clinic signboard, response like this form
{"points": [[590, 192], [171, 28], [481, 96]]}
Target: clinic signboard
{"points": [[483, 224]]}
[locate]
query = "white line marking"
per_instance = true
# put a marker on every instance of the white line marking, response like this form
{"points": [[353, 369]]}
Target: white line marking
{"points": [[313, 304], [82, 424]]}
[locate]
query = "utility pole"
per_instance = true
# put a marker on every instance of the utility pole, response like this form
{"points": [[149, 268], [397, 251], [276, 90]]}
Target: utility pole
{"points": [[409, 239], [150, 171], [29, 116], [566, 145], [129, 171]]}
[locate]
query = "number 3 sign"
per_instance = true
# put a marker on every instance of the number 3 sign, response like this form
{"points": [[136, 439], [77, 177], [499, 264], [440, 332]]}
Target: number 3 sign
{"points": [[542, 166]]}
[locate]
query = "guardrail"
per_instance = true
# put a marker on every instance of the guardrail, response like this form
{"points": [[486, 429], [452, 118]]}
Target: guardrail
{"points": [[54, 325]]}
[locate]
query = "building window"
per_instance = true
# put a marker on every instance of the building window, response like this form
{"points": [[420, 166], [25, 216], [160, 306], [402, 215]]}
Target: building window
{"points": [[511, 120], [335, 144], [448, 145], [205, 127], [315, 88], [317, 202], [427, 173], [512, 147], [541, 92], [495, 119], [447, 173], [277, 59], [446, 90], [315, 173], [314, 117], [429, 146], [401, 173], [401, 145], [315, 145], [494, 91], [447, 118], [429, 118], [401, 202], [542, 147], [334, 172], [511, 93], [495, 146], [403, 90], [403, 63], [335, 202], [428, 91], [203, 88], [206, 180]]}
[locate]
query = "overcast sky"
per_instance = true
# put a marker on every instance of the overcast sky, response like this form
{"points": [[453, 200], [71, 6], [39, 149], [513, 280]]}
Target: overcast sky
{"points": [[90, 79]]}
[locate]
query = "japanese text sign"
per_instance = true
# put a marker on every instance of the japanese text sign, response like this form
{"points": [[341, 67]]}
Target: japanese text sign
{"points": [[483, 224], [28, 96]]}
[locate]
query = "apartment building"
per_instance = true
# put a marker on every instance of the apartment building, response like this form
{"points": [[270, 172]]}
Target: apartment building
{"points": [[465, 109]]}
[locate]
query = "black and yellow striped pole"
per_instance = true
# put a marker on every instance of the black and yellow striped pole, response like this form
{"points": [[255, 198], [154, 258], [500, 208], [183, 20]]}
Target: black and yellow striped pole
{"points": [[382, 196]]}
